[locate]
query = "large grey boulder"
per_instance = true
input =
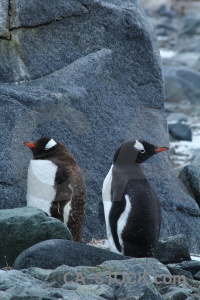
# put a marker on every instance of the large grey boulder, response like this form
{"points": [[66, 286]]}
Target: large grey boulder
{"points": [[104, 86], [56, 252], [21, 228]]}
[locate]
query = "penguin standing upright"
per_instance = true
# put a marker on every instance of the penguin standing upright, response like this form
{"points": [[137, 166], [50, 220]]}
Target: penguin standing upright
{"points": [[131, 206], [55, 184]]}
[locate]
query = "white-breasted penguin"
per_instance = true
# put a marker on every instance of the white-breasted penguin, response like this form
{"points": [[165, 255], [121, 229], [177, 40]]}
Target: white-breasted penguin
{"points": [[55, 184], [131, 206]]}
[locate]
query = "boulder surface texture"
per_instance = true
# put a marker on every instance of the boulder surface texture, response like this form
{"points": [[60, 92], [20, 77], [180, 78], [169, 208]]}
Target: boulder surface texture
{"points": [[56, 252], [22, 228], [87, 73]]}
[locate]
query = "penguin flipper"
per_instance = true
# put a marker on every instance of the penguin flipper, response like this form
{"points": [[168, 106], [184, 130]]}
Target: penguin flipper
{"points": [[117, 209], [62, 184]]}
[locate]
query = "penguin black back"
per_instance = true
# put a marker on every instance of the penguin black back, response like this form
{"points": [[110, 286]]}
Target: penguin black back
{"points": [[131, 205], [55, 184]]}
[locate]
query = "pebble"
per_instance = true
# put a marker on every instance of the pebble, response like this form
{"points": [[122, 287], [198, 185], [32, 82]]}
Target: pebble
{"points": [[181, 132]]}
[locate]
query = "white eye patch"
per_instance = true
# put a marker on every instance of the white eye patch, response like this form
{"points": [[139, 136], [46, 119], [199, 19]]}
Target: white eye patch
{"points": [[138, 146], [50, 144]]}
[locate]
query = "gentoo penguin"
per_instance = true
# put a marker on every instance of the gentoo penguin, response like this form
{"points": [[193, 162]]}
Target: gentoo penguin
{"points": [[55, 184], [131, 206]]}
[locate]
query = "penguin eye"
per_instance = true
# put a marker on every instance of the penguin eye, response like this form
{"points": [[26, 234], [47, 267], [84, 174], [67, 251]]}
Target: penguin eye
{"points": [[142, 151], [47, 148]]}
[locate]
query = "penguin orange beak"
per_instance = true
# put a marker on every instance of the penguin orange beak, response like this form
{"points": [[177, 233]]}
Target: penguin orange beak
{"points": [[30, 145], [161, 149]]}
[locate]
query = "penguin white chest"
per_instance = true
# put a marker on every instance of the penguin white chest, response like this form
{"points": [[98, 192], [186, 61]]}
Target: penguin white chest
{"points": [[122, 221], [106, 195], [121, 224], [41, 184]]}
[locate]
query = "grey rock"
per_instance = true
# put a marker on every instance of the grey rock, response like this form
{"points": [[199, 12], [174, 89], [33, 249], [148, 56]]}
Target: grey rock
{"points": [[165, 10], [119, 286], [197, 276], [197, 65], [173, 249], [20, 286], [166, 288], [192, 266], [176, 270], [195, 284], [35, 13], [75, 33], [23, 227], [190, 60], [164, 29], [191, 24], [31, 297], [92, 80], [4, 296], [151, 265], [103, 290], [46, 255], [196, 158], [70, 286], [38, 273], [138, 286], [63, 274], [175, 117], [4, 19], [14, 278], [98, 278], [181, 132], [52, 284], [190, 176], [182, 83], [178, 294], [161, 30], [134, 279]]}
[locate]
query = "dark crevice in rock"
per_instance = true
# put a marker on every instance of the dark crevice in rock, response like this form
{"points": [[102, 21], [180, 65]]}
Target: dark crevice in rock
{"points": [[85, 5], [5, 38], [9, 9], [191, 211], [47, 23], [5, 183]]}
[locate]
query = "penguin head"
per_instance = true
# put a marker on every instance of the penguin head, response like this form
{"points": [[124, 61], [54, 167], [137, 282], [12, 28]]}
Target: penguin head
{"points": [[44, 146], [136, 152]]}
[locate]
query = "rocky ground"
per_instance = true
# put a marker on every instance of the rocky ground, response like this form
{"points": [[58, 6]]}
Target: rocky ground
{"points": [[64, 269], [113, 280]]}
